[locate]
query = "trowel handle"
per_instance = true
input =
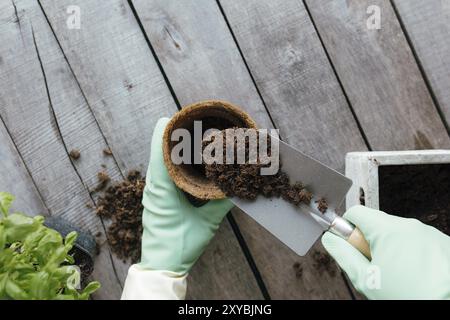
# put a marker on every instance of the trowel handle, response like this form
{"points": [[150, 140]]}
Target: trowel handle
{"points": [[352, 234], [357, 240]]}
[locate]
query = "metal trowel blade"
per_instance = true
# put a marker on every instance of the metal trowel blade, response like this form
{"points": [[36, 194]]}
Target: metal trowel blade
{"points": [[298, 227]]}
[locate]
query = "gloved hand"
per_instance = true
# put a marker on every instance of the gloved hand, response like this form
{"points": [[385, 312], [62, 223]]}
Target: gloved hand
{"points": [[410, 260], [175, 232]]}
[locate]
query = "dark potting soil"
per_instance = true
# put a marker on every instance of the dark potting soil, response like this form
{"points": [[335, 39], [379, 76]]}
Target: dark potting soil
{"points": [[417, 191], [207, 123], [122, 203], [322, 205], [246, 182]]}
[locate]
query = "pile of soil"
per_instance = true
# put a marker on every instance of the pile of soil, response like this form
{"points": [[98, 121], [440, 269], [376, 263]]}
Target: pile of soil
{"points": [[246, 182], [122, 203], [417, 191]]}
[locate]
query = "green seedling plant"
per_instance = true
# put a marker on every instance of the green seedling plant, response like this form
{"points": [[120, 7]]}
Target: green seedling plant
{"points": [[35, 263]]}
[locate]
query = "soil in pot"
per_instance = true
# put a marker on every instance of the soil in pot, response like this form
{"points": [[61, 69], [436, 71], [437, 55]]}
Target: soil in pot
{"points": [[245, 180], [122, 203], [210, 114], [84, 261], [207, 123], [417, 191]]}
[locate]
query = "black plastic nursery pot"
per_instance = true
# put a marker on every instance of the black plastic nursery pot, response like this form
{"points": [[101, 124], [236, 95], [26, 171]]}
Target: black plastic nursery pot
{"points": [[85, 247]]}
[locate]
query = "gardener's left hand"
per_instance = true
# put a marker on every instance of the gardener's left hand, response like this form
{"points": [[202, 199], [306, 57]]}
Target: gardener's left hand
{"points": [[175, 232]]}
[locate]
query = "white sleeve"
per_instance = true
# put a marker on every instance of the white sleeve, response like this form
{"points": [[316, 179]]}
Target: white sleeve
{"points": [[143, 284]]}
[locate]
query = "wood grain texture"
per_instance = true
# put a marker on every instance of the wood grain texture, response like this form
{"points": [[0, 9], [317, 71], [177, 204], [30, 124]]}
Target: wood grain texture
{"points": [[219, 259], [127, 94], [198, 54], [16, 179], [201, 60], [76, 123], [427, 24], [117, 73], [27, 108], [380, 75], [294, 77]]}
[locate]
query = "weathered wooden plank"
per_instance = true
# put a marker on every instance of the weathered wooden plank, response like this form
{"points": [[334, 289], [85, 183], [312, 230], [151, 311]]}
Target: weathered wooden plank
{"points": [[28, 110], [127, 94], [198, 54], [427, 24], [16, 180], [292, 72], [294, 77], [219, 259], [76, 123], [380, 75], [117, 73], [201, 60]]}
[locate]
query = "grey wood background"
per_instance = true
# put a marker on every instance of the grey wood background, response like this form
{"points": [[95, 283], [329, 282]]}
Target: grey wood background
{"points": [[310, 68]]}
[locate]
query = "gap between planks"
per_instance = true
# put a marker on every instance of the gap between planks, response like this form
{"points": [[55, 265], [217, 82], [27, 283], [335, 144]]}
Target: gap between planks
{"points": [[421, 68], [244, 247]]}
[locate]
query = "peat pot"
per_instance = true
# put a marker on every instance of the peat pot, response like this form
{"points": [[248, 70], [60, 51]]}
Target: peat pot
{"points": [[213, 114]]}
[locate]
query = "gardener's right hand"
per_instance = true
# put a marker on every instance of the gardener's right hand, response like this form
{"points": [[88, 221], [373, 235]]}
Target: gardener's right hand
{"points": [[410, 260], [175, 232]]}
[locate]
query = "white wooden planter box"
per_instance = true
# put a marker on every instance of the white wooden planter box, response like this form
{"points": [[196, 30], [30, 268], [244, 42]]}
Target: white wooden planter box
{"points": [[362, 168]]}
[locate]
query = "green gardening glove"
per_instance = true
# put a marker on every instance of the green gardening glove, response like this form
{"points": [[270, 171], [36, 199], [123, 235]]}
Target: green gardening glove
{"points": [[175, 232], [410, 260]]}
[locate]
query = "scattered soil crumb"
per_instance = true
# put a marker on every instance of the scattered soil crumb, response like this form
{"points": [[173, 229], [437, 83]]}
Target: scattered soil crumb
{"points": [[323, 263], [75, 154], [107, 152], [122, 203], [322, 205], [89, 205], [103, 179], [296, 194], [298, 268], [103, 166], [98, 234], [246, 182]]}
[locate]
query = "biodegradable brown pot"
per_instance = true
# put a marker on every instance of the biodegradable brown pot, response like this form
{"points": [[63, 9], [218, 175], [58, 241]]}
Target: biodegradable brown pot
{"points": [[214, 114]]}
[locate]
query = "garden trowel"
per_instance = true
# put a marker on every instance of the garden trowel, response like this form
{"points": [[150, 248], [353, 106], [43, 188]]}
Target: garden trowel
{"points": [[299, 227]]}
